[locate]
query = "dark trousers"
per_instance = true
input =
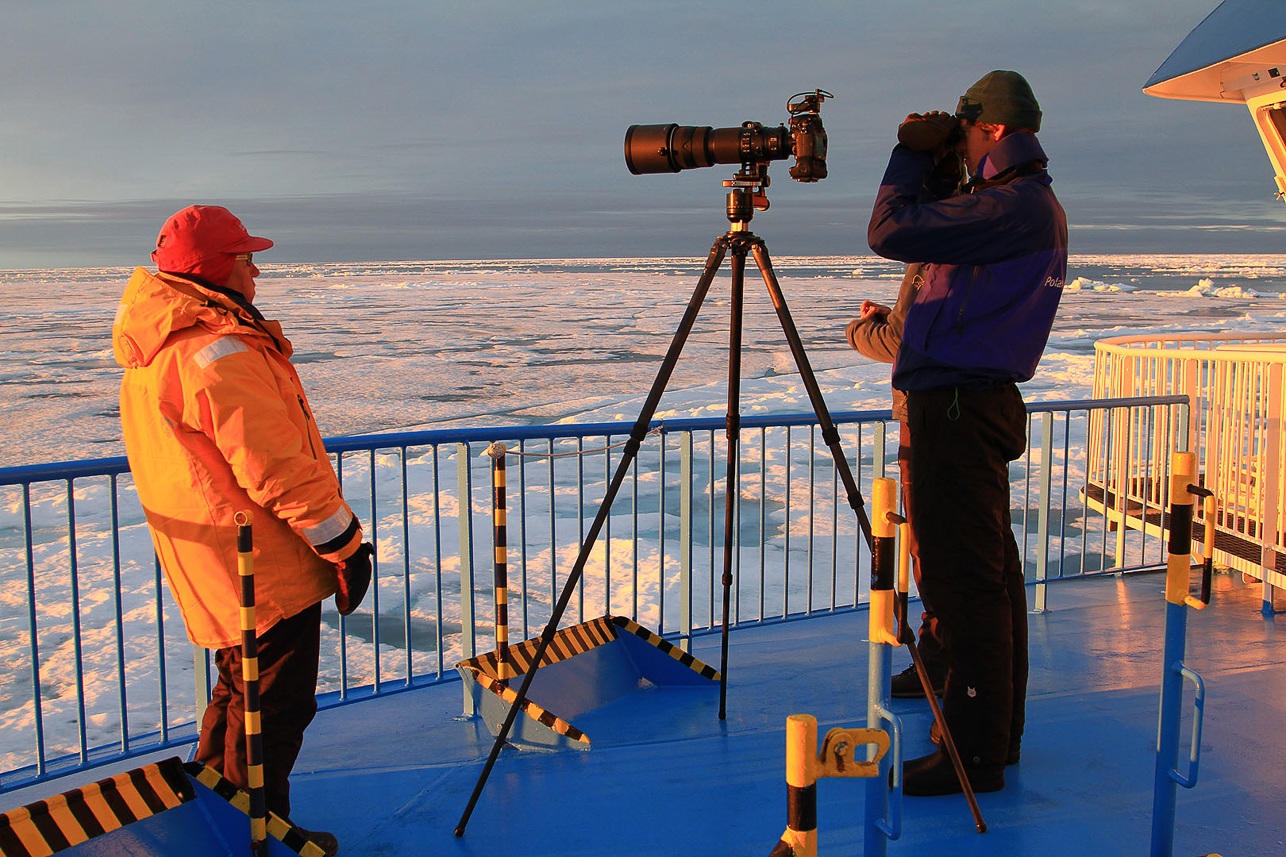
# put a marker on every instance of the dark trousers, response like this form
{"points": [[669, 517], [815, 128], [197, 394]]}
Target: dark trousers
{"points": [[930, 644], [288, 654], [961, 444]]}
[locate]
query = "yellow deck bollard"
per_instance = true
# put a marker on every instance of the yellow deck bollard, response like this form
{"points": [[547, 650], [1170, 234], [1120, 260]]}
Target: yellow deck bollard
{"points": [[884, 498], [805, 766]]}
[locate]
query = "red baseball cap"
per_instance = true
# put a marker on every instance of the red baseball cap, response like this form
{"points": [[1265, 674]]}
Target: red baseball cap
{"points": [[204, 240]]}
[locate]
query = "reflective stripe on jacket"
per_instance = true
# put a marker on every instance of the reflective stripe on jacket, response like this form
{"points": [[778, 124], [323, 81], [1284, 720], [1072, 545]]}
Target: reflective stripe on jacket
{"points": [[216, 422]]}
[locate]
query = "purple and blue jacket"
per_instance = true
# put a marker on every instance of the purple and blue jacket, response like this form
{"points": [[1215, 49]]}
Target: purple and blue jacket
{"points": [[996, 260]]}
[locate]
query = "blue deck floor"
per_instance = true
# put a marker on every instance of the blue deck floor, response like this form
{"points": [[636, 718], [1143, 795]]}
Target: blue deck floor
{"points": [[665, 776]]}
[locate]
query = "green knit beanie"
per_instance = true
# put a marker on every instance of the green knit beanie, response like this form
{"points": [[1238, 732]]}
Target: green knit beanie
{"points": [[1001, 98]]}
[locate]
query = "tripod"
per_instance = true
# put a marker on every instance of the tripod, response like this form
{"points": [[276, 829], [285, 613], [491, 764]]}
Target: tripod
{"points": [[745, 195]]}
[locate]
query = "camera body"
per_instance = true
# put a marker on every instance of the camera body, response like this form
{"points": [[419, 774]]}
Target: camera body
{"points": [[671, 148], [808, 135]]}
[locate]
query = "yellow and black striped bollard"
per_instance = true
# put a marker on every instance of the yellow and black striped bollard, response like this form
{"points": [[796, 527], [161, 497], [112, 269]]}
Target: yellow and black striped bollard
{"points": [[499, 521], [250, 682], [805, 765]]}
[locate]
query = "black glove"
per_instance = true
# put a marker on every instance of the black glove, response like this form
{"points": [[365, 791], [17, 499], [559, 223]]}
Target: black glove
{"points": [[354, 578], [926, 132]]}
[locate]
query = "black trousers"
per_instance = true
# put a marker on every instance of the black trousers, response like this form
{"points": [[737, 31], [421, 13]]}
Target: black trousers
{"points": [[932, 650], [961, 444], [288, 655]]}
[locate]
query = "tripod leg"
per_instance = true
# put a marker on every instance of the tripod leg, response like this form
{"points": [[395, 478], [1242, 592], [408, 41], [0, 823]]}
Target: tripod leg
{"points": [[734, 437], [630, 451], [830, 434]]}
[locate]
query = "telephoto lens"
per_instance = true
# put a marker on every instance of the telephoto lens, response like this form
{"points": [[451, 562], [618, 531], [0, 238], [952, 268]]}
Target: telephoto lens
{"points": [[671, 148]]}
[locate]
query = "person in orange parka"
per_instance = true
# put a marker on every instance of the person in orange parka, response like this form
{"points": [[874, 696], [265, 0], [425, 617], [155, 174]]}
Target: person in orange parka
{"points": [[215, 423]]}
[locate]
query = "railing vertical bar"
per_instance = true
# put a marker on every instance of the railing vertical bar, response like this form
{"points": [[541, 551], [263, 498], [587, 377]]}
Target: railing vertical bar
{"points": [[763, 517], [812, 482], [1026, 490], [607, 528], [1145, 493], [522, 530], [715, 570], [73, 572], [1062, 506], [553, 529], [834, 536], [1124, 491], [580, 520], [406, 568], [662, 485], [685, 536], [736, 591], [857, 534], [343, 620], [1105, 449], [464, 487], [375, 577], [437, 557], [634, 537], [785, 553], [37, 700], [119, 617], [1042, 536], [160, 642]]}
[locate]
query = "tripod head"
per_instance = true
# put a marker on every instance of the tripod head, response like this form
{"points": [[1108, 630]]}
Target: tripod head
{"points": [[747, 193]]}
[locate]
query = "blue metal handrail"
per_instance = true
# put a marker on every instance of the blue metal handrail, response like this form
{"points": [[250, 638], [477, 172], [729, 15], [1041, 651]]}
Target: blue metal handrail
{"points": [[112, 674]]}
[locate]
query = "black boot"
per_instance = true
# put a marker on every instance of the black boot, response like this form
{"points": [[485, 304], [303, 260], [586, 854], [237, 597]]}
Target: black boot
{"points": [[1011, 756], [327, 842], [906, 684], [935, 775]]}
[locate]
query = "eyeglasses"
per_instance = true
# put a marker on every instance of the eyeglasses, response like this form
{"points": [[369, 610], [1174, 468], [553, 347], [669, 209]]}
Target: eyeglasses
{"points": [[248, 258]]}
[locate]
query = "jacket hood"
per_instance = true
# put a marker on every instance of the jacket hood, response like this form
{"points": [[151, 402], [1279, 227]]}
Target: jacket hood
{"points": [[157, 306]]}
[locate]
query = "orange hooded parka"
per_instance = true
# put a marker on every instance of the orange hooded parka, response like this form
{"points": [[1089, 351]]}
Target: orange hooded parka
{"points": [[215, 423]]}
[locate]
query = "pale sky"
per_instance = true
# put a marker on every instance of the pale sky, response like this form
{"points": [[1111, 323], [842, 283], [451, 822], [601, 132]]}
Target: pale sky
{"points": [[435, 129]]}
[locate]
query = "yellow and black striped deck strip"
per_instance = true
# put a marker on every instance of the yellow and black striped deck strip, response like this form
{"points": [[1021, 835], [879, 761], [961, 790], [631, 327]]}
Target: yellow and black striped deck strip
{"points": [[565, 643], [278, 828], [76, 816], [666, 646], [532, 710]]}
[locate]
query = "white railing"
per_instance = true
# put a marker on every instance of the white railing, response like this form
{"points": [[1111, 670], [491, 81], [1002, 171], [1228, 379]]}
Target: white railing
{"points": [[99, 667], [1235, 384]]}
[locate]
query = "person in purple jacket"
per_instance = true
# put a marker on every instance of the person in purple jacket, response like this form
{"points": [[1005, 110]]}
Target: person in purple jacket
{"points": [[994, 260]]}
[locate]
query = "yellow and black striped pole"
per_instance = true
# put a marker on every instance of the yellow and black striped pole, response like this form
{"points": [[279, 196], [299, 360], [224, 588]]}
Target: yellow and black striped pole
{"points": [[499, 523], [1207, 548], [800, 838], [1184, 489], [805, 765], [250, 682]]}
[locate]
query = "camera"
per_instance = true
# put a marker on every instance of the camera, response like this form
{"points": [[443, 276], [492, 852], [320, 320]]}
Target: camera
{"points": [[671, 148]]}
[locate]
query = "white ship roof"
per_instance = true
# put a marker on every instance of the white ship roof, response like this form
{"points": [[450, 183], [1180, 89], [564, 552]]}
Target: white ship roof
{"points": [[1237, 52]]}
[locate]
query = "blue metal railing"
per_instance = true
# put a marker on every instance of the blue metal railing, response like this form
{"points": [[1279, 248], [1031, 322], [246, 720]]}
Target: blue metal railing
{"points": [[99, 667]]}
